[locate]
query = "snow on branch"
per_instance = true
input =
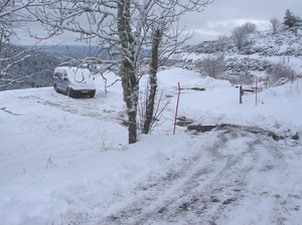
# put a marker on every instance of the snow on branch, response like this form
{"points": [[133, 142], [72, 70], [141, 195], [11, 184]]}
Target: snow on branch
{"points": [[13, 60]]}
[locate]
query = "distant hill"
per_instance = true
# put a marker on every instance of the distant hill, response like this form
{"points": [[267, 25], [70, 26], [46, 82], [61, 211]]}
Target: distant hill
{"points": [[267, 56], [70, 51], [283, 43], [34, 71]]}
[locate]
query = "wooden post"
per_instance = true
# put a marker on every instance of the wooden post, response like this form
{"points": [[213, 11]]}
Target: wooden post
{"points": [[240, 94], [256, 91]]}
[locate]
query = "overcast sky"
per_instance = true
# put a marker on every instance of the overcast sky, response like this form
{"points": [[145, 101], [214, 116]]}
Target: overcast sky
{"points": [[222, 16]]}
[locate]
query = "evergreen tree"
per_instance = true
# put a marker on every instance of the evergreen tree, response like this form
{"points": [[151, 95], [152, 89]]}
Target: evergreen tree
{"points": [[290, 20]]}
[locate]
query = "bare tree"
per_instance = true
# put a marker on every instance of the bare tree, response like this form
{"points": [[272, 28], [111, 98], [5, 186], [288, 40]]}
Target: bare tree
{"points": [[239, 37], [221, 42], [12, 17], [240, 33], [274, 24], [126, 28], [165, 39], [249, 27]]}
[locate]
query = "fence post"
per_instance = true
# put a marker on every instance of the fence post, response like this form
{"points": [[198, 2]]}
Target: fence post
{"points": [[240, 94], [256, 91]]}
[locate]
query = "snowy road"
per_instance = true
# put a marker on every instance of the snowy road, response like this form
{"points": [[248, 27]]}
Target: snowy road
{"points": [[223, 183]]}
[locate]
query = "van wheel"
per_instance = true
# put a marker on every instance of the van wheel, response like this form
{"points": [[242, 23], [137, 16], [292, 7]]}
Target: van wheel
{"points": [[69, 92], [55, 87], [92, 94]]}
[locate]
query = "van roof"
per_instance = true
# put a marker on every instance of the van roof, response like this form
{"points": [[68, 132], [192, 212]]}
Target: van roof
{"points": [[71, 70]]}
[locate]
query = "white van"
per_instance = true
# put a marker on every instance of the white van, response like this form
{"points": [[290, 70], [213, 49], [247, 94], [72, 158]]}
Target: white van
{"points": [[74, 81]]}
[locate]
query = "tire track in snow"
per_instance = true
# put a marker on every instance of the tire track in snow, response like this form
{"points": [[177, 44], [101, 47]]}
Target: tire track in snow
{"points": [[83, 107], [198, 191], [208, 187]]}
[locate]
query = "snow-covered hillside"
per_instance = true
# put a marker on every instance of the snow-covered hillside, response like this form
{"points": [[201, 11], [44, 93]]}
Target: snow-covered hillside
{"points": [[283, 43], [264, 52], [67, 161]]}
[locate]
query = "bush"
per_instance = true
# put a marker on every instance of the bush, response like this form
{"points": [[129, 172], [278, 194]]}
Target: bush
{"points": [[280, 73], [213, 66]]}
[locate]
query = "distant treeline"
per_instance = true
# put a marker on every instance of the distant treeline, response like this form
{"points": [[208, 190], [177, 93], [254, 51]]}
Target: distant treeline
{"points": [[35, 70]]}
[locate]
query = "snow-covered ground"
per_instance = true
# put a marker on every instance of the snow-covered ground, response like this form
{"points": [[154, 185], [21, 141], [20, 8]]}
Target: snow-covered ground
{"points": [[67, 161]]}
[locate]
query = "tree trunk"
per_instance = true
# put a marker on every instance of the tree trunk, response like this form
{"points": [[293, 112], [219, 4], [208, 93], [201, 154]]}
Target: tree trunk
{"points": [[129, 80], [157, 36], [130, 91]]}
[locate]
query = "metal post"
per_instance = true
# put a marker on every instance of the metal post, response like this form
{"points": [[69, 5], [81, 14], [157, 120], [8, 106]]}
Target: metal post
{"points": [[176, 110]]}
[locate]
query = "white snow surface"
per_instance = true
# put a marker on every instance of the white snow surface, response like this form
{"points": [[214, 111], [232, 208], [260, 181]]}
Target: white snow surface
{"points": [[67, 161]]}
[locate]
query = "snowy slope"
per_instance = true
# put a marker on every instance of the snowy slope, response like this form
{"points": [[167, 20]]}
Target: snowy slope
{"points": [[284, 43], [263, 52], [67, 161]]}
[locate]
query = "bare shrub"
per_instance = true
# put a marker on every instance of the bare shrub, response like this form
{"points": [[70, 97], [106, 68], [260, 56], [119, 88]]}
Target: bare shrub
{"points": [[279, 74], [159, 106], [246, 79], [213, 66], [222, 41]]}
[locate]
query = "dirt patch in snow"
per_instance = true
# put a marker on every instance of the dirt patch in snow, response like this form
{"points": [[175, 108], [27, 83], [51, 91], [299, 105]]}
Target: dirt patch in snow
{"points": [[254, 130]]}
